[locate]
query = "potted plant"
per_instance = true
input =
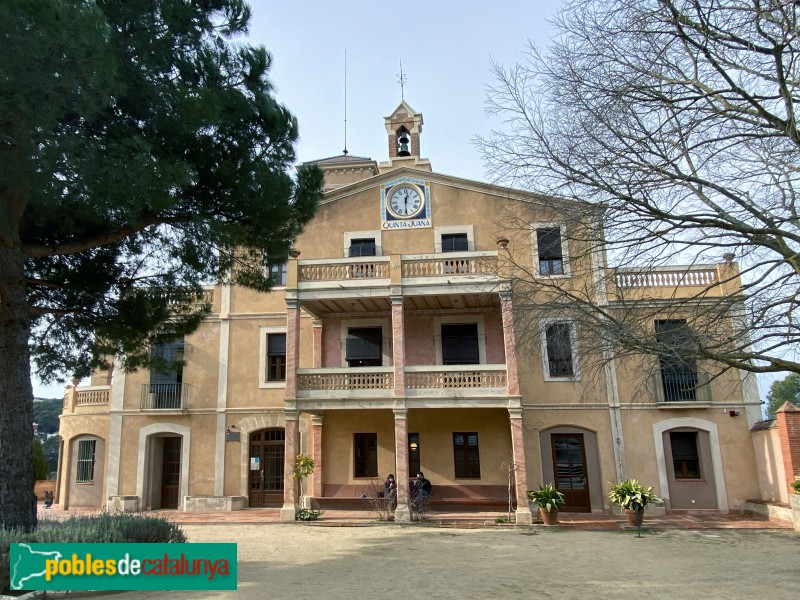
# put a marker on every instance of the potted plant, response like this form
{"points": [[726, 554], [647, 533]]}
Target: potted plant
{"points": [[548, 499], [304, 467], [632, 497]]}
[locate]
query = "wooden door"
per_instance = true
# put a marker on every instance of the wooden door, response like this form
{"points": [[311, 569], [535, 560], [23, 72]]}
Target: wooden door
{"points": [[569, 471], [171, 472], [267, 449]]}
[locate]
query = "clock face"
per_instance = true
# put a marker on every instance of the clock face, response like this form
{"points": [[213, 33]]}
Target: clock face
{"points": [[404, 202]]}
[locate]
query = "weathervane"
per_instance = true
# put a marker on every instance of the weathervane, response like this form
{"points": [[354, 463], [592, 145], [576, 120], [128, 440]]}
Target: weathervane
{"points": [[401, 79]]}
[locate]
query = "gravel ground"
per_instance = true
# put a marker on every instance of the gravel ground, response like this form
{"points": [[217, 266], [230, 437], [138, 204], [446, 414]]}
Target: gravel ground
{"points": [[389, 561]]}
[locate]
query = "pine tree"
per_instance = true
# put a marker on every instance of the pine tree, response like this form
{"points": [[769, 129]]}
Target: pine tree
{"points": [[140, 143]]}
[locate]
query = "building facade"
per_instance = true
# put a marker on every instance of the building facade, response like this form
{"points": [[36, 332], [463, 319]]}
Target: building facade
{"points": [[391, 344]]}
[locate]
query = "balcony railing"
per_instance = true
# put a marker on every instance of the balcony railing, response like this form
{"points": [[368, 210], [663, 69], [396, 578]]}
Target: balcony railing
{"points": [[666, 278], [456, 377], [345, 379], [364, 267], [445, 264], [95, 395], [380, 380], [164, 396], [671, 387], [449, 263]]}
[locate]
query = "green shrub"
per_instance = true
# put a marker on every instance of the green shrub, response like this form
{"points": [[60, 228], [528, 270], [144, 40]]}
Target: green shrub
{"points": [[796, 486], [102, 528], [306, 514]]}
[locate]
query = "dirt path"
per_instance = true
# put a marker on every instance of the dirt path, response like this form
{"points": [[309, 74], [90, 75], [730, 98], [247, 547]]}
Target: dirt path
{"points": [[298, 561]]}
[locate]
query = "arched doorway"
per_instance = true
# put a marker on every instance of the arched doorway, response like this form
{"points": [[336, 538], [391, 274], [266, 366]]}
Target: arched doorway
{"points": [[265, 483]]}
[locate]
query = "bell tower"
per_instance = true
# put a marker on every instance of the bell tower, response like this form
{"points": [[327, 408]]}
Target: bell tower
{"points": [[403, 127]]}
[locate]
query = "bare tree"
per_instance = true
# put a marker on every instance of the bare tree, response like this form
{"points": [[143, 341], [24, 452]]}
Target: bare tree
{"points": [[661, 133]]}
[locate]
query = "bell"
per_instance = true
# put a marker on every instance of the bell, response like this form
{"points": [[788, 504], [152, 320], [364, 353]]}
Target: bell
{"points": [[403, 142]]}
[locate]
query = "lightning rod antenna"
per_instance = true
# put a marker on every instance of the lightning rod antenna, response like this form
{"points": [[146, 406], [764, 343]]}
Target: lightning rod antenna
{"points": [[345, 103]]}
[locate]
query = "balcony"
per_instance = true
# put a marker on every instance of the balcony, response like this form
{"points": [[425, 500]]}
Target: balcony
{"points": [[673, 282], [364, 284], [462, 381], [682, 389], [90, 397], [164, 396], [372, 382]]}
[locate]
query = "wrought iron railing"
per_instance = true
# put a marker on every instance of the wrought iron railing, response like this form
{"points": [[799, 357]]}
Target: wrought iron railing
{"points": [[164, 396], [681, 386]]}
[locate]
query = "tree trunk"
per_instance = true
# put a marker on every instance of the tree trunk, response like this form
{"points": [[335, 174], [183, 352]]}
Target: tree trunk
{"points": [[17, 500]]}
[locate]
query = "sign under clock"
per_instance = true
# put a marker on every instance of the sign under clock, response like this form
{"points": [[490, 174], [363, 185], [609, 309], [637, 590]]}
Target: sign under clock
{"points": [[405, 203]]}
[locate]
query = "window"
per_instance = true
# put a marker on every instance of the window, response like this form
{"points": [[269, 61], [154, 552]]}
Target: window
{"points": [[364, 347], [465, 455], [276, 357], [460, 344], [86, 450], [277, 272], [362, 247], [559, 350], [166, 376], [678, 374], [365, 454], [455, 242], [685, 456], [413, 454], [551, 256]]}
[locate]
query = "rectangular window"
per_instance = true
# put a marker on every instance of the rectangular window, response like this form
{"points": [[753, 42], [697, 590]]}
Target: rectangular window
{"points": [[551, 256], [166, 375], [364, 347], [365, 454], [460, 344], [276, 357], [559, 350], [362, 247], [455, 242], [685, 456], [465, 455], [678, 374], [277, 272], [413, 454], [86, 450]]}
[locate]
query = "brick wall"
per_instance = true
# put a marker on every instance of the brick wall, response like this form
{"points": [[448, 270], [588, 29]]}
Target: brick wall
{"points": [[788, 417]]}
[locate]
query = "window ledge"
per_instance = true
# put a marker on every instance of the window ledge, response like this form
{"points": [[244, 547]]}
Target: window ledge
{"points": [[684, 404], [272, 385]]}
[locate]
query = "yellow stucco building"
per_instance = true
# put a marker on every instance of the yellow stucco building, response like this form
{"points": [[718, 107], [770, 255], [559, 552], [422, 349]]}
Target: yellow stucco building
{"points": [[390, 345]]}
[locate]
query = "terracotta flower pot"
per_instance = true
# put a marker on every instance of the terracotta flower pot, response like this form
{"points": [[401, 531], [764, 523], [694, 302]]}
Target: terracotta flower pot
{"points": [[549, 518], [635, 517]]}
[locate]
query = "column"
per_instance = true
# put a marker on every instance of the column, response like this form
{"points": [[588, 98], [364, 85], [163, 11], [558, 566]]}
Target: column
{"points": [[222, 389], [292, 346], [316, 454], [317, 331], [510, 343], [523, 512], [402, 513], [399, 346], [291, 449]]}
